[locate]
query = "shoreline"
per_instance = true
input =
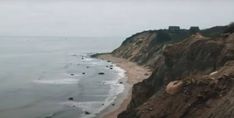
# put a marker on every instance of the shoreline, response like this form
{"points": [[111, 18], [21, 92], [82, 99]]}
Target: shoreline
{"points": [[134, 74]]}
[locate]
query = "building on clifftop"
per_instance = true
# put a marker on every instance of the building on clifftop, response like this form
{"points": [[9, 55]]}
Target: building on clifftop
{"points": [[194, 29]]}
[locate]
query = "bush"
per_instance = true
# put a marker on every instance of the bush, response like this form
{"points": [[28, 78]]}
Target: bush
{"points": [[163, 36], [230, 28]]}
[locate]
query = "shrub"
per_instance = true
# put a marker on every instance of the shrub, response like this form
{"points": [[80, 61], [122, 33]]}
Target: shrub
{"points": [[230, 28]]}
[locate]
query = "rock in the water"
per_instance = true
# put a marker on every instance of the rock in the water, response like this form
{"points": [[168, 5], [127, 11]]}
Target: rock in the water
{"points": [[87, 113], [71, 98], [83, 73], [101, 73], [72, 74]]}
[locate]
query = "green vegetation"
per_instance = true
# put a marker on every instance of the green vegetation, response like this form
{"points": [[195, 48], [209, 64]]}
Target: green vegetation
{"points": [[162, 36], [230, 28]]}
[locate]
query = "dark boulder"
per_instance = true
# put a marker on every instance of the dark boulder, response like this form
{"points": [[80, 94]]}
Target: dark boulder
{"points": [[87, 113], [71, 98], [101, 73]]}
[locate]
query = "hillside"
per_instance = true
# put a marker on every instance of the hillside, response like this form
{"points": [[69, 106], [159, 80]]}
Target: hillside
{"points": [[191, 74], [145, 48]]}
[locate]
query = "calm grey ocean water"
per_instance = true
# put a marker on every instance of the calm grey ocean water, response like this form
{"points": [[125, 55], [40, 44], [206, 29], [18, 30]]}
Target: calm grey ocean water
{"points": [[38, 75]]}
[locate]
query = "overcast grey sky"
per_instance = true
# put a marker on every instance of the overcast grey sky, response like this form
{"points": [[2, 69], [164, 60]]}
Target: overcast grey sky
{"points": [[108, 17]]}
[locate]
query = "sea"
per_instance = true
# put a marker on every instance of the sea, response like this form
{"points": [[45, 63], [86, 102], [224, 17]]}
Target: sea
{"points": [[55, 77]]}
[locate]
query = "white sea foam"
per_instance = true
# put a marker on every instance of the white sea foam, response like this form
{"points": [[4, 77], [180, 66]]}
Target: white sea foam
{"points": [[95, 107], [58, 81], [95, 63], [116, 87], [70, 103], [121, 72], [88, 59]]}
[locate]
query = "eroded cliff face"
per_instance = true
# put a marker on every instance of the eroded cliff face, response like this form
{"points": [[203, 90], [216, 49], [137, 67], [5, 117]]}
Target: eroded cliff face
{"points": [[145, 48], [204, 65]]}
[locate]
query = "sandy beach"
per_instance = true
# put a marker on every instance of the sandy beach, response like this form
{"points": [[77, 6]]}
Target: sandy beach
{"points": [[134, 73]]}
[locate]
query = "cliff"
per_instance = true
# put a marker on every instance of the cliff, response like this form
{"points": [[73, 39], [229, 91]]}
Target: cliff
{"points": [[145, 48], [203, 65]]}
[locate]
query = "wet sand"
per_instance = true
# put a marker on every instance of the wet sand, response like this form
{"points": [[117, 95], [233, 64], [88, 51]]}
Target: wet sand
{"points": [[134, 73]]}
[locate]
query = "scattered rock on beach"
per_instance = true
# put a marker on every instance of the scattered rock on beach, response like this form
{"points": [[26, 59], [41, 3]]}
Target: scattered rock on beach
{"points": [[121, 82], [113, 104]]}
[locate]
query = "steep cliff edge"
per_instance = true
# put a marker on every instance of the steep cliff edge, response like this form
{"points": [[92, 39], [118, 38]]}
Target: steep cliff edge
{"points": [[204, 66], [145, 48]]}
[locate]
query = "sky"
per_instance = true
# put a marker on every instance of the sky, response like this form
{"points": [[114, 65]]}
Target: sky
{"points": [[108, 18]]}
